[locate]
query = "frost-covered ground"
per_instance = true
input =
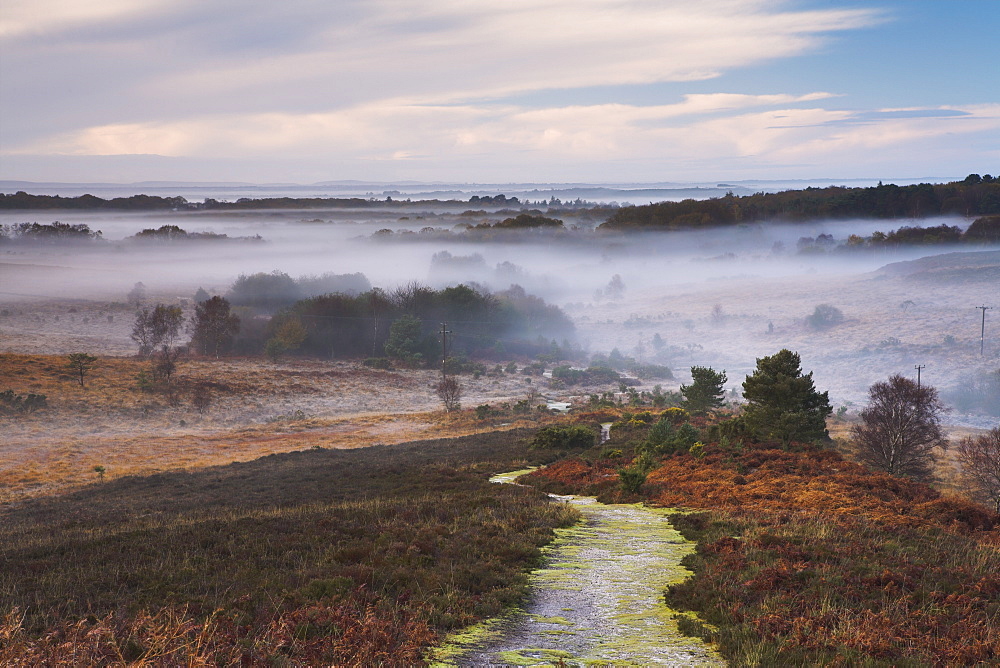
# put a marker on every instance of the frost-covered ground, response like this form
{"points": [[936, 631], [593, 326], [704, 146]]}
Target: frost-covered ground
{"points": [[597, 600]]}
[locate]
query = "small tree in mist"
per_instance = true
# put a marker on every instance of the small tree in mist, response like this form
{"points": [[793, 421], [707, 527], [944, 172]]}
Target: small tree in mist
{"points": [[201, 397], [706, 389], [137, 295], [156, 327], [214, 326], [450, 392], [980, 460], [900, 428], [165, 363], [825, 316], [81, 364], [615, 288], [289, 336]]}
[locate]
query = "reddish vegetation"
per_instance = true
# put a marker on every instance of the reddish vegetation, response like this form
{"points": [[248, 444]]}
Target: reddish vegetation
{"points": [[355, 632], [814, 482], [805, 558]]}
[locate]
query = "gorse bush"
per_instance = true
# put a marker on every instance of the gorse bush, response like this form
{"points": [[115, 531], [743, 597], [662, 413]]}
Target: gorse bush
{"points": [[590, 375], [573, 437], [11, 402], [825, 316], [665, 438]]}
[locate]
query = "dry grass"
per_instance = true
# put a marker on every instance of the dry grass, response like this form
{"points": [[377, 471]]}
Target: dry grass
{"points": [[257, 408]]}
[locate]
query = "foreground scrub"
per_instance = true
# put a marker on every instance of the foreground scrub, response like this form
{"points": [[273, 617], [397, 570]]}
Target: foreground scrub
{"points": [[599, 600]]}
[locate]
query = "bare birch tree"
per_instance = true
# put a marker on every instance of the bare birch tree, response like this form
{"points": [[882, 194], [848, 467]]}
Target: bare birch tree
{"points": [[900, 428]]}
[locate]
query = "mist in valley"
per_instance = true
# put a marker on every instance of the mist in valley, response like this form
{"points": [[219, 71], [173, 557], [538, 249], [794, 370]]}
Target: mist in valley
{"points": [[720, 297]]}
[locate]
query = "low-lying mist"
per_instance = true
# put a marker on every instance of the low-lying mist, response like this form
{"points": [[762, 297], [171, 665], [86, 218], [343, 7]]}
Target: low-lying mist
{"points": [[718, 297]]}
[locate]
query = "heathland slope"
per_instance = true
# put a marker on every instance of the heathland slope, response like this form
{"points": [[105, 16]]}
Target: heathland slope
{"points": [[316, 557], [805, 558]]}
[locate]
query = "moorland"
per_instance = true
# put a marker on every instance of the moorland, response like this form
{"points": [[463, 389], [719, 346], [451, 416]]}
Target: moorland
{"points": [[300, 493]]}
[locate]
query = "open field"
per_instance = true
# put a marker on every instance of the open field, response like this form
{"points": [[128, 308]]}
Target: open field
{"points": [[256, 408], [891, 323], [716, 297]]}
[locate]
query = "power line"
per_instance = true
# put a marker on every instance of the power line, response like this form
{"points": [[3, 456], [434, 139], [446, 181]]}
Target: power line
{"points": [[444, 350], [982, 333]]}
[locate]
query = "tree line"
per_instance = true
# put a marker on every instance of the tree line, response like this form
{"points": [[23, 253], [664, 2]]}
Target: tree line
{"points": [[22, 200], [974, 196], [405, 324], [342, 316]]}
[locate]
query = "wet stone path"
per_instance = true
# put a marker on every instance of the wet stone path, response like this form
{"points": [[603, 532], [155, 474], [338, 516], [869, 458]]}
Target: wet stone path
{"points": [[597, 601]]}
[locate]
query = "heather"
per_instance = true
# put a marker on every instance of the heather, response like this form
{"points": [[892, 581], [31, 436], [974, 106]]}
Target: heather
{"points": [[807, 558], [320, 556]]}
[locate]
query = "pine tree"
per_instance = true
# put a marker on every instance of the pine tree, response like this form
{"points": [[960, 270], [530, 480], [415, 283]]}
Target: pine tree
{"points": [[706, 389], [782, 403]]}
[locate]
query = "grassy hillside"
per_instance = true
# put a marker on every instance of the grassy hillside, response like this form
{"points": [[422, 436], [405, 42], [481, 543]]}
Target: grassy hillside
{"points": [[314, 557], [805, 558]]}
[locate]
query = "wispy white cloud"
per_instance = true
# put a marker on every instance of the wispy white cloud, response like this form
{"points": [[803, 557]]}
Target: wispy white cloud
{"points": [[435, 84], [192, 59], [39, 18], [455, 51], [768, 130]]}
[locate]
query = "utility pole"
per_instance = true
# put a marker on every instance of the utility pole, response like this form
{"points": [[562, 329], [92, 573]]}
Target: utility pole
{"points": [[918, 368], [982, 332], [444, 349]]}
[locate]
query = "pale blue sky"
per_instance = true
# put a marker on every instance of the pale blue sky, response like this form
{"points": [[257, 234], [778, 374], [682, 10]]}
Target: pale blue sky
{"points": [[527, 90]]}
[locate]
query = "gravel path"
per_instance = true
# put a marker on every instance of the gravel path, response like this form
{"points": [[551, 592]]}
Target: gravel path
{"points": [[599, 600]]}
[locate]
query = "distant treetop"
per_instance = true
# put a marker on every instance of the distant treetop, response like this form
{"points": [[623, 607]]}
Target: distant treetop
{"points": [[974, 196]]}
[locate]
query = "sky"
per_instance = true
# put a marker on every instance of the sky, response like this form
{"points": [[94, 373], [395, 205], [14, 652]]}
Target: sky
{"points": [[466, 91]]}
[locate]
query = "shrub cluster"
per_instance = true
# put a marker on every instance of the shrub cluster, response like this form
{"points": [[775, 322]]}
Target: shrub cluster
{"points": [[11, 402], [804, 558], [574, 437]]}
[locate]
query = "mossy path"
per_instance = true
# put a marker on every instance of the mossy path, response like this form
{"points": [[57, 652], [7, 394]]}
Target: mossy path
{"points": [[597, 601]]}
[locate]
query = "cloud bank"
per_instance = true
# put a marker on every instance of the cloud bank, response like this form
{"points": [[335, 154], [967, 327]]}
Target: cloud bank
{"points": [[440, 88]]}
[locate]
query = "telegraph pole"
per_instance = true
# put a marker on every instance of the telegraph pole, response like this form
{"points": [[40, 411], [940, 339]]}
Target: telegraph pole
{"points": [[918, 368], [982, 332], [444, 348]]}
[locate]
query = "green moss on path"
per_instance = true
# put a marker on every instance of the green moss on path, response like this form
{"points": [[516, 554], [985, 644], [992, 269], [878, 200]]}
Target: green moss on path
{"points": [[598, 600]]}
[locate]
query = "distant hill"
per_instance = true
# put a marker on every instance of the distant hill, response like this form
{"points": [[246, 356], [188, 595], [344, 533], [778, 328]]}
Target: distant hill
{"points": [[976, 265]]}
